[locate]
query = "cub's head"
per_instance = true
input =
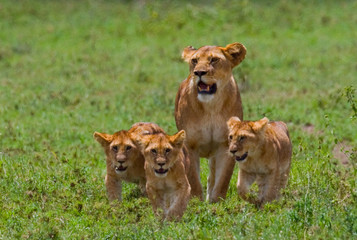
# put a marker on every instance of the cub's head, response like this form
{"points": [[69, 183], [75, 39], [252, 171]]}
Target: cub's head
{"points": [[120, 149], [211, 67], [161, 151], [245, 136]]}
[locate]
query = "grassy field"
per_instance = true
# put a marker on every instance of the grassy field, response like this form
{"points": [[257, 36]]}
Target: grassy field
{"points": [[69, 68]]}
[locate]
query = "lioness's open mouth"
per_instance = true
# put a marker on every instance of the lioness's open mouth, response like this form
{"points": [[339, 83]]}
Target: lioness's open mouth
{"points": [[161, 171], [241, 158], [120, 168], [204, 88]]}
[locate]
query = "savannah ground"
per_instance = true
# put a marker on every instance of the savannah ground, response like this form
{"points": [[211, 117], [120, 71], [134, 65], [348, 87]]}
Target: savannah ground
{"points": [[68, 69]]}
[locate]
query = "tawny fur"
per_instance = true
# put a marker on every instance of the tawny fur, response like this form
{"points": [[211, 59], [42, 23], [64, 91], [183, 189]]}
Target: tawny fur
{"points": [[204, 116], [266, 149], [122, 152], [166, 163]]}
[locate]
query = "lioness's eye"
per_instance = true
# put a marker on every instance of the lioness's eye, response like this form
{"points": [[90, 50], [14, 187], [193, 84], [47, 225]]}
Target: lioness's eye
{"points": [[241, 138], [127, 148], [230, 137], [214, 60], [153, 151], [115, 148], [194, 61], [168, 150]]}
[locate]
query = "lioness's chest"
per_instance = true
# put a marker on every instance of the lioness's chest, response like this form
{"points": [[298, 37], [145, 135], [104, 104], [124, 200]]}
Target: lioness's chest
{"points": [[207, 133]]}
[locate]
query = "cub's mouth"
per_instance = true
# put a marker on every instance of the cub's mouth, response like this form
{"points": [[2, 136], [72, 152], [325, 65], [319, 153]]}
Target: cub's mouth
{"points": [[161, 171], [204, 88], [120, 168], [241, 158]]}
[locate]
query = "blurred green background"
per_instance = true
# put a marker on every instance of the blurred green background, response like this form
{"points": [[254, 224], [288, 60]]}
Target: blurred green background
{"points": [[69, 68]]}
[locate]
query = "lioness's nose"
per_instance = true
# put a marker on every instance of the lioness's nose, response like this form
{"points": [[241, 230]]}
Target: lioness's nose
{"points": [[161, 164], [200, 73], [233, 151]]}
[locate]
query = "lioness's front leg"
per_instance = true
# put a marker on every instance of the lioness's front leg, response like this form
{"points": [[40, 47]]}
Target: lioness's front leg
{"points": [[223, 166], [193, 174], [114, 187]]}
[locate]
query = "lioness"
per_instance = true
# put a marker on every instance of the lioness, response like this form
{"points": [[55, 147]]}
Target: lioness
{"points": [[204, 102], [263, 151], [166, 163], [124, 160]]}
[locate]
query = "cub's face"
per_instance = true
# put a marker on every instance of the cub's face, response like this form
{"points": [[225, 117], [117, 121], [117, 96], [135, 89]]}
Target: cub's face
{"points": [[120, 150], [244, 137], [161, 151], [211, 67]]}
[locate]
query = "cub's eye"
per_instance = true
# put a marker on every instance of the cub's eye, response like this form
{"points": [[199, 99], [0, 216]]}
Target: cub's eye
{"points": [[127, 148], [230, 137], [194, 61], [153, 151], [214, 60], [167, 150], [115, 148], [241, 138]]}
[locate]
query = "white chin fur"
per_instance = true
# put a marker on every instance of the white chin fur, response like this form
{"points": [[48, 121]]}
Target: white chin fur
{"points": [[243, 161], [205, 97], [160, 175]]}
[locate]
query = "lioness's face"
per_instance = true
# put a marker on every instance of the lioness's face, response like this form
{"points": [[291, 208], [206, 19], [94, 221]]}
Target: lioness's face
{"points": [[244, 136], [211, 67], [120, 150], [161, 152]]}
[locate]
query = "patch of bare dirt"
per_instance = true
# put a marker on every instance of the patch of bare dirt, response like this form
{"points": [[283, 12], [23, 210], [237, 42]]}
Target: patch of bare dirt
{"points": [[342, 152], [310, 129]]}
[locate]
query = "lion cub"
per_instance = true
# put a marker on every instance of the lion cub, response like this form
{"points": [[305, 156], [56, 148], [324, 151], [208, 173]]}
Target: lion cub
{"points": [[263, 150], [166, 164], [124, 160]]}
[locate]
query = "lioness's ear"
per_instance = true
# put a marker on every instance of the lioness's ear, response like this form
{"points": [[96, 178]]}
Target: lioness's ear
{"points": [[187, 53], [259, 125], [103, 138], [178, 138], [235, 53], [232, 122]]}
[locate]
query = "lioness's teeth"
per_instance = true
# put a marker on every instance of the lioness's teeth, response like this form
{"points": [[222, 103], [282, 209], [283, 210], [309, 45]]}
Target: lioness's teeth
{"points": [[208, 88], [199, 88]]}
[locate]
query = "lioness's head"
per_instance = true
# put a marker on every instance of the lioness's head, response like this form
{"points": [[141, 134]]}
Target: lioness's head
{"points": [[211, 67], [161, 151], [120, 149], [244, 137]]}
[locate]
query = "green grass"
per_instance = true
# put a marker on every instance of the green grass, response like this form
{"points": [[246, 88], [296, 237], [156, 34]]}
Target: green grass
{"points": [[69, 68]]}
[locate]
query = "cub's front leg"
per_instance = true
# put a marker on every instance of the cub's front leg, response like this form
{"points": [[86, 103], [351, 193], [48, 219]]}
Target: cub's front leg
{"points": [[114, 187], [178, 204], [268, 185], [156, 198], [245, 180]]}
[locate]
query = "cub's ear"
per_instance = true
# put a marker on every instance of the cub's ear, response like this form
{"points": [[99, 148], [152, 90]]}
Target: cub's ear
{"points": [[235, 53], [261, 124], [232, 122], [103, 138], [178, 139], [187, 53]]}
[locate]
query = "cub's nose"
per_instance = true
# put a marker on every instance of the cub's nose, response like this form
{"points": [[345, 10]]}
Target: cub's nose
{"points": [[161, 164], [121, 162], [233, 151], [200, 73]]}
